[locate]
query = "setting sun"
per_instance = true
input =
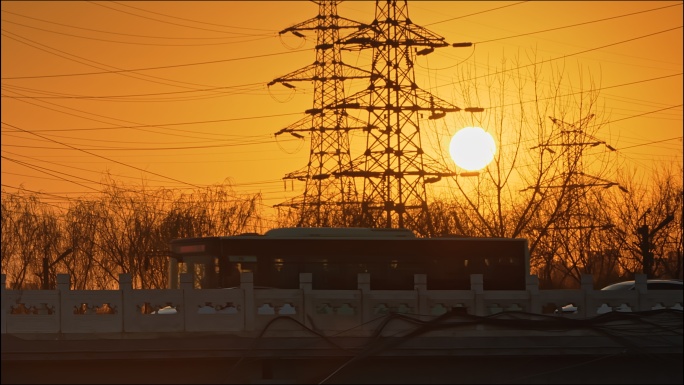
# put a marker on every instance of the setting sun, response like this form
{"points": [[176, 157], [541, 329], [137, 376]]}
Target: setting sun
{"points": [[472, 148]]}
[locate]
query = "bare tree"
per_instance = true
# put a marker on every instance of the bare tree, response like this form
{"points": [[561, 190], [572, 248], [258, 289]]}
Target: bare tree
{"points": [[139, 223], [649, 219], [549, 171], [30, 241], [81, 224], [126, 229]]}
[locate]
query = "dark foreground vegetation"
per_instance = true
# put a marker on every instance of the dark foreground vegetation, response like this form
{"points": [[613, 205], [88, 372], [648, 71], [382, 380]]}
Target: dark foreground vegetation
{"points": [[126, 229]]}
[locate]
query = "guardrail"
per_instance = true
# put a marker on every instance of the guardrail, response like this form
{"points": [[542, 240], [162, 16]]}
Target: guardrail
{"points": [[248, 309]]}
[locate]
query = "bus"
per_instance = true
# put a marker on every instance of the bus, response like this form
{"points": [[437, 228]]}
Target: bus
{"points": [[335, 257]]}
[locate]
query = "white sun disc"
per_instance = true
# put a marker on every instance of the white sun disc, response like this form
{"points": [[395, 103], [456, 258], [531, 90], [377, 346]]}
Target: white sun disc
{"points": [[472, 148]]}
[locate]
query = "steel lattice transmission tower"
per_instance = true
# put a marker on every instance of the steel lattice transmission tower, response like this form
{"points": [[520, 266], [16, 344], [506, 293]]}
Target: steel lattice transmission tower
{"points": [[327, 200], [576, 224], [394, 167]]}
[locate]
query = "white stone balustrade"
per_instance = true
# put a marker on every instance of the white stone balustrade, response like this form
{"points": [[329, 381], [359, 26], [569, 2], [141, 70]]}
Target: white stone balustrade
{"points": [[249, 310]]}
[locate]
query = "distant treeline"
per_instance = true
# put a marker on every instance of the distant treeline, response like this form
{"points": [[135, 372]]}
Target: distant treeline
{"points": [[126, 229]]}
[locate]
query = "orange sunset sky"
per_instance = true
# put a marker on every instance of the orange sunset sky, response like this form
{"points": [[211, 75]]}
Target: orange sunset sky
{"points": [[175, 93]]}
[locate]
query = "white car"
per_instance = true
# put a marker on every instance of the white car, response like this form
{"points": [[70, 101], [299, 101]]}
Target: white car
{"points": [[651, 284]]}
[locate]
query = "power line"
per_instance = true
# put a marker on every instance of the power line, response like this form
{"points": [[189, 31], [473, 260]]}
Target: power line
{"points": [[135, 127], [230, 87], [67, 199], [172, 124], [194, 21], [67, 166], [114, 97], [102, 157], [570, 54], [577, 24], [477, 13], [49, 172], [153, 19], [235, 141], [254, 143], [650, 143], [127, 42], [645, 113], [302, 50], [133, 35], [52, 50], [595, 89], [157, 67]]}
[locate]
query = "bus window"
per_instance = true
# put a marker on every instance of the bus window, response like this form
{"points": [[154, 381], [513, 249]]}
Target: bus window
{"points": [[280, 272], [198, 275], [394, 274], [244, 263], [204, 270], [174, 275], [230, 274]]}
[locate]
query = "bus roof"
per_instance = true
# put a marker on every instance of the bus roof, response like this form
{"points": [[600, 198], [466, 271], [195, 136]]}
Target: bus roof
{"points": [[350, 233], [334, 232]]}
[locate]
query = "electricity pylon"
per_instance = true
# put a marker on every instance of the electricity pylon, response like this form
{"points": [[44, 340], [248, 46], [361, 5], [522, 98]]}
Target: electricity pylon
{"points": [[574, 140], [576, 225], [327, 200], [394, 166]]}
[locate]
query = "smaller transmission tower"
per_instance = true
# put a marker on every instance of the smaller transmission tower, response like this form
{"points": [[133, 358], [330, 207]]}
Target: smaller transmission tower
{"points": [[577, 225]]}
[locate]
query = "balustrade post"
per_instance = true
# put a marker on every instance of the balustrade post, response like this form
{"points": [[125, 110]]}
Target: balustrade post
{"points": [[589, 304], [186, 285], [363, 281], [63, 286], [186, 281], [363, 284], [247, 286], [125, 281], [305, 281], [305, 285], [127, 304], [420, 285], [4, 305], [641, 287], [477, 286], [63, 282], [532, 287]]}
